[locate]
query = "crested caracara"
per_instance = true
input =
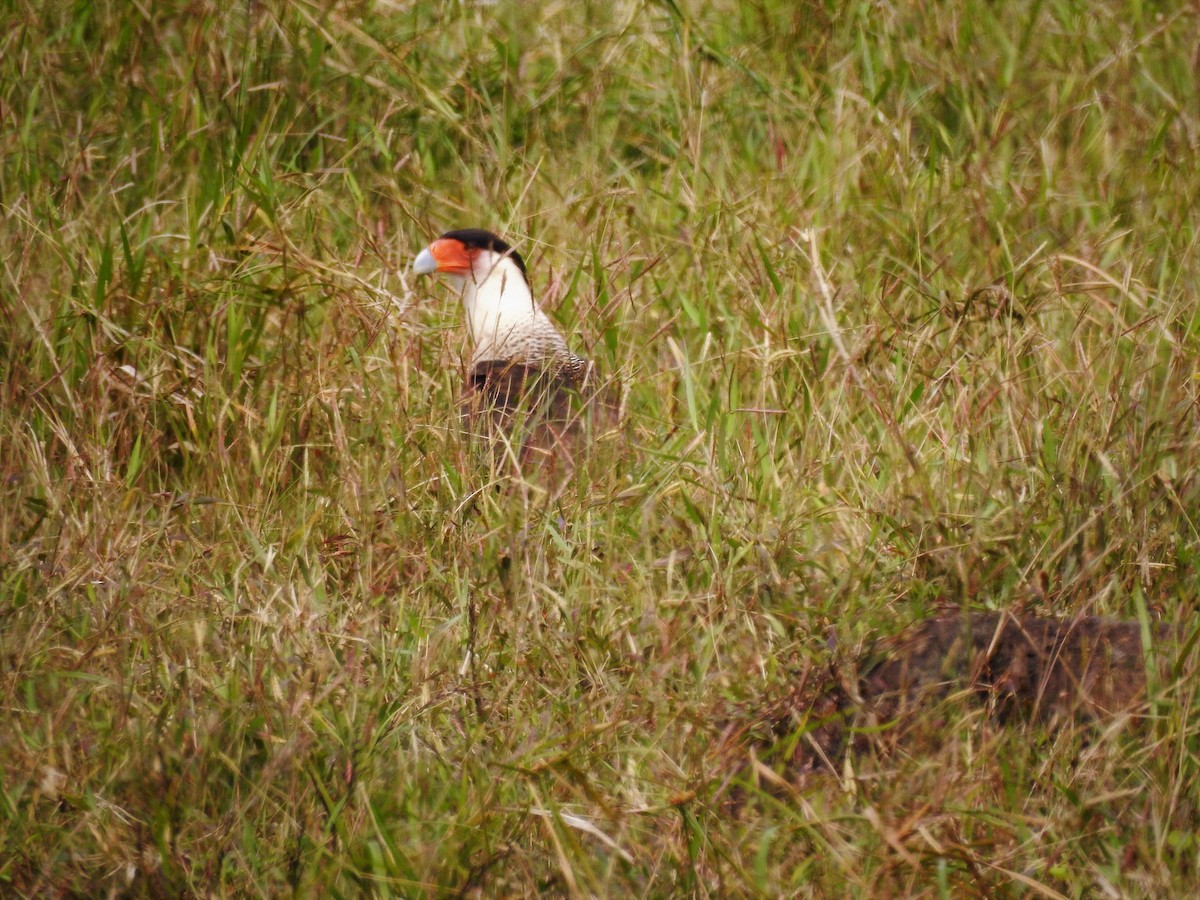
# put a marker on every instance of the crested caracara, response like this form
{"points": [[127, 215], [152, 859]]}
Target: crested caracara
{"points": [[522, 381]]}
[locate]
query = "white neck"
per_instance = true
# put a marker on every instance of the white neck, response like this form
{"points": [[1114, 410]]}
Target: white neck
{"points": [[504, 321]]}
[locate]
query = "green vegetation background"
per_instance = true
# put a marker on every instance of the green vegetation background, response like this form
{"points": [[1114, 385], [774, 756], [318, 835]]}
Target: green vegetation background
{"points": [[905, 299]]}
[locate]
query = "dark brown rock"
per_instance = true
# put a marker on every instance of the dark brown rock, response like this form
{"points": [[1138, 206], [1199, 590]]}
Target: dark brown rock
{"points": [[1028, 665], [1016, 668]]}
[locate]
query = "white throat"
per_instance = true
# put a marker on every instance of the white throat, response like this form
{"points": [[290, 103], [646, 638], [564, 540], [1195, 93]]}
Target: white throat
{"points": [[504, 321]]}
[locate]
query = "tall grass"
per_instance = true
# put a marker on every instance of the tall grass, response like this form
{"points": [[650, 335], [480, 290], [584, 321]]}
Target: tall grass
{"points": [[905, 300]]}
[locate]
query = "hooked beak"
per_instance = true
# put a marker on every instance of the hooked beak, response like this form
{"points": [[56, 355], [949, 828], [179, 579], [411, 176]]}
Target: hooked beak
{"points": [[425, 264]]}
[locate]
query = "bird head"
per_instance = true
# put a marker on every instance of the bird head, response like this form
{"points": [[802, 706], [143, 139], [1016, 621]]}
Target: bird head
{"points": [[470, 254]]}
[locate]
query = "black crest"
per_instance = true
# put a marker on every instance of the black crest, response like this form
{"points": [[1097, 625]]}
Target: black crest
{"points": [[477, 238]]}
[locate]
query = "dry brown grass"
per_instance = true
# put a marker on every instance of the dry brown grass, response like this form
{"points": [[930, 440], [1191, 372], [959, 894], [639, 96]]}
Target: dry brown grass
{"points": [[905, 301]]}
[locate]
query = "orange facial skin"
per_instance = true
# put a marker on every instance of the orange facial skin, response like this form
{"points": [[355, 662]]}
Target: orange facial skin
{"points": [[451, 256]]}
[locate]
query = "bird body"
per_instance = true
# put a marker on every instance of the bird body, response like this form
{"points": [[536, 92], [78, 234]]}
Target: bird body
{"points": [[504, 322]]}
